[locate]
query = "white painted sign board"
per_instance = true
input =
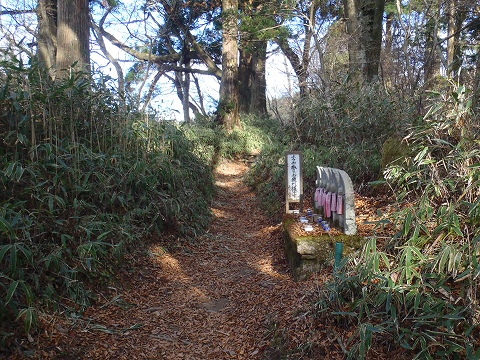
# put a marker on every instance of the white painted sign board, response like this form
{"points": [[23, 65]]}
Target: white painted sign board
{"points": [[294, 181]]}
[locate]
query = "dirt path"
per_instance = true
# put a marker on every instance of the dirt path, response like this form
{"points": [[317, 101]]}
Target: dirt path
{"points": [[226, 296]]}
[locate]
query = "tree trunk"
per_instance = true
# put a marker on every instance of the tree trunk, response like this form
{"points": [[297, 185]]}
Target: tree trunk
{"points": [[389, 32], [355, 48], [252, 80], [373, 25], [245, 74], [476, 87], [47, 33], [64, 34], [431, 67], [186, 96], [456, 16], [309, 26], [364, 27], [295, 62], [228, 107], [258, 103], [73, 34], [301, 63]]}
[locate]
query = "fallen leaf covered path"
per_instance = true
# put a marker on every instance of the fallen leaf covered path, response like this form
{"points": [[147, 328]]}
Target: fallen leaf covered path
{"points": [[227, 295]]}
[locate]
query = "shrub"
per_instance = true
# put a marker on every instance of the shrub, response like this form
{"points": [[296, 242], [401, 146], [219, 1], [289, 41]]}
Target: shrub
{"points": [[213, 143], [422, 290], [345, 130], [79, 184]]}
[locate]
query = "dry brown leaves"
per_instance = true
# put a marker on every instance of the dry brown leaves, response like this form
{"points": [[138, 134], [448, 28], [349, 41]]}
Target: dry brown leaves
{"points": [[229, 295]]}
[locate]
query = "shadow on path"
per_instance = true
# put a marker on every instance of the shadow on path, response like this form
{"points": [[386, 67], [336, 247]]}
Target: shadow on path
{"points": [[226, 296]]}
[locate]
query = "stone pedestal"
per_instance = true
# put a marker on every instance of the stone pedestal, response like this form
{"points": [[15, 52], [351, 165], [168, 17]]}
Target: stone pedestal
{"points": [[310, 254]]}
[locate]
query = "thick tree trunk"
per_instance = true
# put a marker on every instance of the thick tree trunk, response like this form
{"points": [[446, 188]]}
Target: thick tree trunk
{"points": [[452, 28], [252, 80], [228, 107], [364, 26], [64, 34], [258, 103], [355, 48], [245, 80], [47, 32], [373, 23], [73, 34]]}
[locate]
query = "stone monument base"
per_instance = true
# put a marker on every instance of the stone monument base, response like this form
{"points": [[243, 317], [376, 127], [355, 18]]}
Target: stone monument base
{"points": [[309, 254]]}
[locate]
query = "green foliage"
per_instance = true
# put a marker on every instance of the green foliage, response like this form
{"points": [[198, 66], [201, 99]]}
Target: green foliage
{"points": [[247, 140], [401, 298], [346, 130], [212, 142], [349, 127], [258, 23], [422, 290], [267, 177], [80, 184]]}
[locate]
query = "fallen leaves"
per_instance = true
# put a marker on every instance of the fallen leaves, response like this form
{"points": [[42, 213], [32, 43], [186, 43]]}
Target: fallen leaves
{"points": [[228, 295]]}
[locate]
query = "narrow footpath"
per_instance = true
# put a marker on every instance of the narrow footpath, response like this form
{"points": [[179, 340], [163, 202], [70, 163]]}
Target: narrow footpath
{"points": [[227, 295]]}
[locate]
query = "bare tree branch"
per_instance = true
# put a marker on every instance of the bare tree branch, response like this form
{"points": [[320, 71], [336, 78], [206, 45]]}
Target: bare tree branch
{"points": [[151, 89], [17, 12], [115, 63], [166, 61], [170, 58], [201, 53]]}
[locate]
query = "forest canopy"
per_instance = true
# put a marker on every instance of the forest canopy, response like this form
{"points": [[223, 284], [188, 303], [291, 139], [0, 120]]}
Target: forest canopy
{"points": [[407, 46]]}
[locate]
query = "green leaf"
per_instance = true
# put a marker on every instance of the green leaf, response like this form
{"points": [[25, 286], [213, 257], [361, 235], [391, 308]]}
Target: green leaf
{"points": [[421, 155], [407, 223], [417, 302], [6, 228], [464, 275], [453, 317], [30, 317], [443, 260], [11, 291], [388, 301], [26, 252], [345, 313], [3, 250]]}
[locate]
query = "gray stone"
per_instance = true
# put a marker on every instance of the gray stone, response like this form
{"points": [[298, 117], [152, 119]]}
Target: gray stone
{"points": [[338, 182]]}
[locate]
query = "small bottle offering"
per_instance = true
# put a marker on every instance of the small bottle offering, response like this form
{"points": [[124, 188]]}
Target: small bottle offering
{"points": [[325, 225]]}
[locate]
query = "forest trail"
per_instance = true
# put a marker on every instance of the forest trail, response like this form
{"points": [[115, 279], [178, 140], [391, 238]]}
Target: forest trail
{"points": [[227, 295]]}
